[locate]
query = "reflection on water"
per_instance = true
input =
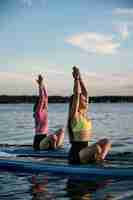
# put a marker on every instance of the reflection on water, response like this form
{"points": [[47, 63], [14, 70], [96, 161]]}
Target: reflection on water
{"points": [[76, 189], [39, 189], [72, 189], [82, 190], [50, 187]]}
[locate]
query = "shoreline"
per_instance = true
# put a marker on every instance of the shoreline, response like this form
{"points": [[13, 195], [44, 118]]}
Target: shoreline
{"points": [[5, 99]]}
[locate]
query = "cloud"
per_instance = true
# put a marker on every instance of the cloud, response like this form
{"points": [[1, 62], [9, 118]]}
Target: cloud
{"points": [[123, 30], [15, 76], [94, 43], [123, 12], [125, 22]]}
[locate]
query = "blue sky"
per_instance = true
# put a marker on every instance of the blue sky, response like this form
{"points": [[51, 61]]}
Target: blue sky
{"points": [[49, 37]]}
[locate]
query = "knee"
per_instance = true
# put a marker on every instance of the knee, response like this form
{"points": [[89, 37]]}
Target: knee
{"points": [[105, 142], [53, 137], [61, 130]]}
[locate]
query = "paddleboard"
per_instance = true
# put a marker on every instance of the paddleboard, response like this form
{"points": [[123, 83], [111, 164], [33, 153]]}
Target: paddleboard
{"points": [[33, 166], [28, 151]]}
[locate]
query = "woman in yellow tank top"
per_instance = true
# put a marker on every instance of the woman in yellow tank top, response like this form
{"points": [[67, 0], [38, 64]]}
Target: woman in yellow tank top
{"points": [[80, 127]]}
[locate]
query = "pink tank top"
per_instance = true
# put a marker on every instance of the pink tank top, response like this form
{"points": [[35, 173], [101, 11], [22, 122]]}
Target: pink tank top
{"points": [[41, 114]]}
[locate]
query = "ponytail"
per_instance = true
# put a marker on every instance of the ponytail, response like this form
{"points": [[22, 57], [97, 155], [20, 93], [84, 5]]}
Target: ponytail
{"points": [[70, 132]]}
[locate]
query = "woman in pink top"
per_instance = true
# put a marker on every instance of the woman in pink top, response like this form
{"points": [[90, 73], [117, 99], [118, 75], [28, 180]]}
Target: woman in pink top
{"points": [[42, 140]]}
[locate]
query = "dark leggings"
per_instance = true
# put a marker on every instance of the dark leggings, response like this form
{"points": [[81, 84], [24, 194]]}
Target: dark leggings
{"points": [[37, 139], [76, 147]]}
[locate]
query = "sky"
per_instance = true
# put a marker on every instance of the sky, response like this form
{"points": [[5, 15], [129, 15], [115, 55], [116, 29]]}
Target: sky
{"points": [[50, 36]]}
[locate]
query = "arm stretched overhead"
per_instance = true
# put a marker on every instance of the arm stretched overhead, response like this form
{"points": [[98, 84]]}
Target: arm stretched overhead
{"points": [[76, 95], [43, 96]]}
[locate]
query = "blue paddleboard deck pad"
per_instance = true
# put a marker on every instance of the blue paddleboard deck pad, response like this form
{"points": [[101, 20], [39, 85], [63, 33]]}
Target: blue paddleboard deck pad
{"points": [[35, 166], [30, 152], [27, 151]]}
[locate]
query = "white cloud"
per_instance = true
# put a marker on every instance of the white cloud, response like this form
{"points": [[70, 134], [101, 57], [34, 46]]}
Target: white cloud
{"points": [[122, 29], [125, 22], [94, 43], [123, 12]]}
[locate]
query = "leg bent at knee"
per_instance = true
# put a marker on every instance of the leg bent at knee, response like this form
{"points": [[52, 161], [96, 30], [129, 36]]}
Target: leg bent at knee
{"points": [[60, 138], [105, 144]]}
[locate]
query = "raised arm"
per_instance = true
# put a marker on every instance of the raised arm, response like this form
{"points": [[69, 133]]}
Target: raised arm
{"points": [[82, 85], [76, 95], [43, 96]]}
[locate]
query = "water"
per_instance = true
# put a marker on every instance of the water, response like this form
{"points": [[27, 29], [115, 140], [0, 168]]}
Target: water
{"points": [[109, 120]]}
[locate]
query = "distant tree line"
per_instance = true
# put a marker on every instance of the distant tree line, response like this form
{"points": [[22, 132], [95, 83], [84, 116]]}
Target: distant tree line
{"points": [[60, 99], [31, 99], [110, 99]]}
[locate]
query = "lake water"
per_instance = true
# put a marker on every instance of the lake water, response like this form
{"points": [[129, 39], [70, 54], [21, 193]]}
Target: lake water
{"points": [[114, 121]]}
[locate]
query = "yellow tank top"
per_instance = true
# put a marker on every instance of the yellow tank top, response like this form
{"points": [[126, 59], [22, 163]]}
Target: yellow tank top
{"points": [[80, 124]]}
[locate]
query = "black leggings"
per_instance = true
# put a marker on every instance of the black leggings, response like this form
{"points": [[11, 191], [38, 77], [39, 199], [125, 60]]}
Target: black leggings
{"points": [[74, 151], [37, 139]]}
